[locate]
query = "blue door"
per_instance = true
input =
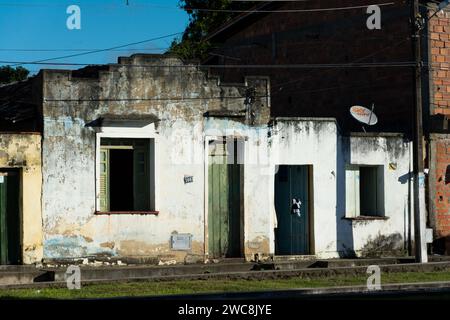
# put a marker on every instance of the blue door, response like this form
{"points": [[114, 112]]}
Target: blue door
{"points": [[293, 209]]}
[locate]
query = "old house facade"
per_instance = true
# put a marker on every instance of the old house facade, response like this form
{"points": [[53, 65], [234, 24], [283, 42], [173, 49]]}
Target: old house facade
{"points": [[126, 147], [154, 160], [21, 236], [336, 61]]}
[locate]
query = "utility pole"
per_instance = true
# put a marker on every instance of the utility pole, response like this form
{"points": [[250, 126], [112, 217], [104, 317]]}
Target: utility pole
{"points": [[420, 244]]}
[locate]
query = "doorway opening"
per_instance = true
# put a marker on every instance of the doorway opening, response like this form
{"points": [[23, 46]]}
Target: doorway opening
{"points": [[10, 217], [225, 204], [126, 175], [121, 180], [293, 205]]}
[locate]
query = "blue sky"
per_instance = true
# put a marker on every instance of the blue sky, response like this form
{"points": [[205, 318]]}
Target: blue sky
{"points": [[41, 25]]}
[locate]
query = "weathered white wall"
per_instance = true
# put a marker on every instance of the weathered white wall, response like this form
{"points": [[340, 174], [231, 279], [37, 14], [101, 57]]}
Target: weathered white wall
{"points": [[70, 148], [292, 141], [313, 142], [388, 235]]}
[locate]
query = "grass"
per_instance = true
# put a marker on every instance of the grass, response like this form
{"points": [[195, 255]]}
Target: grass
{"points": [[151, 288]]}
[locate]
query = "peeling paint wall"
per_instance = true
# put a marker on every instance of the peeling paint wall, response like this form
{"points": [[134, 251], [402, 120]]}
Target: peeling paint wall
{"points": [[317, 142], [179, 97], [23, 151], [143, 85], [313, 142], [389, 236]]}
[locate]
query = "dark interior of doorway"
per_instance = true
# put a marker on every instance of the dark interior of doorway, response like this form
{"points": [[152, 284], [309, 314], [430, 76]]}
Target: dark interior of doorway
{"points": [[121, 180], [10, 246]]}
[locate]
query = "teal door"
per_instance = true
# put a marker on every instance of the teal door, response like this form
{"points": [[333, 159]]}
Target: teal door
{"points": [[224, 200], [9, 217], [292, 208]]}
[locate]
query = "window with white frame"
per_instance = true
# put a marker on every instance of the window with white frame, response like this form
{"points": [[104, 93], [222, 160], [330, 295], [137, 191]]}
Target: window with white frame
{"points": [[126, 175], [364, 191]]}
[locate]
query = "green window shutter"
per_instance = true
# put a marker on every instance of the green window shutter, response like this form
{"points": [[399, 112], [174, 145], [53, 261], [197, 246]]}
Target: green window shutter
{"points": [[104, 180], [352, 206], [141, 179]]}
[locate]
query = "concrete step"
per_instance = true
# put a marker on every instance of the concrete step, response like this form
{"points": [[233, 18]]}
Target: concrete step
{"points": [[332, 263], [114, 272], [28, 275], [293, 264], [315, 273], [11, 277]]}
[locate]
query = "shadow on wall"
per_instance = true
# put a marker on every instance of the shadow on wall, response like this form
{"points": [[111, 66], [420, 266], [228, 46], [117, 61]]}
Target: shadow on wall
{"points": [[344, 228], [384, 245]]}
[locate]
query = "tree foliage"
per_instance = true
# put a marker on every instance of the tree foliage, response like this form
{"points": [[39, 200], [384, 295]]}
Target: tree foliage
{"points": [[9, 74], [193, 45]]}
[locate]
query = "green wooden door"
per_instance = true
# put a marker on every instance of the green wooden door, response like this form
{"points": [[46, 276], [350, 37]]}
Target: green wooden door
{"points": [[9, 218], [291, 188], [224, 201]]}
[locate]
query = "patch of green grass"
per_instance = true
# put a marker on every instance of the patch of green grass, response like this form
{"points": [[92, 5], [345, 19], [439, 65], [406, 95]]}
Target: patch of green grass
{"points": [[152, 288]]}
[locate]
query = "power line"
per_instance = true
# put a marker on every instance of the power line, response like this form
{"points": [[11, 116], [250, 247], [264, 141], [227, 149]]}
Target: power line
{"points": [[77, 49], [291, 82], [209, 10], [323, 89], [150, 99], [291, 10], [215, 46], [236, 66], [103, 50], [345, 87]]}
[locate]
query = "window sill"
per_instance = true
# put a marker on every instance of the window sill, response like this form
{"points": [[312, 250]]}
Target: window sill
{"points": [[108, 213], [365, 218]]}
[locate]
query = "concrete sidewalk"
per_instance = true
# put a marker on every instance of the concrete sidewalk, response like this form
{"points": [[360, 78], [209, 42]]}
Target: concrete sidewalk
{"points": [[32, 277]]}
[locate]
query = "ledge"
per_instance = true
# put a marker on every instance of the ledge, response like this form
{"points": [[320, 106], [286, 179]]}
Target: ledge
{"points": [[365, 218], [305, 119], [376, 134], [224, 114], [108, 213]]}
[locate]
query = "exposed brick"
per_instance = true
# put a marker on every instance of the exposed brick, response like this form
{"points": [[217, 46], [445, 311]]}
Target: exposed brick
{"points": [[441, 74], [440, 58]]}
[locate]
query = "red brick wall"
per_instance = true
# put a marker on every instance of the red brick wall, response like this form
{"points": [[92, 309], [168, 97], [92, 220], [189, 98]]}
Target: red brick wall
{"points": [[439, 35], [336, 37], [439, 42], [441, 201]]}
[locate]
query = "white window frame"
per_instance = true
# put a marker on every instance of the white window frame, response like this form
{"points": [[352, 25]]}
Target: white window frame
{"points": [[125, 131], [353, 197]]}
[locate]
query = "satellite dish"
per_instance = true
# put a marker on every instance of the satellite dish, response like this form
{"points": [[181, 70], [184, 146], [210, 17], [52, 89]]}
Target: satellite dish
{"points": [[364, 115]]}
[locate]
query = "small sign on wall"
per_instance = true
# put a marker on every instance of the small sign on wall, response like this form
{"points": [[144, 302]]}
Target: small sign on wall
{"points": [[181, 241], [188, 179]]}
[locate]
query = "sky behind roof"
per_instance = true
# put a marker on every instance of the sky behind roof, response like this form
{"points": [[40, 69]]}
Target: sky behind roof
{"points": [[27, 26]]}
